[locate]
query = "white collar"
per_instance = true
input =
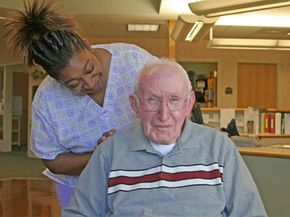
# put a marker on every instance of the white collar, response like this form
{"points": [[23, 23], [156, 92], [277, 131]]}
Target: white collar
{"points": [[161, 148]]}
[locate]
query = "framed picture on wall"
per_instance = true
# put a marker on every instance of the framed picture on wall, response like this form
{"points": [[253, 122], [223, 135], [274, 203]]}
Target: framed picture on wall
{"points": [[200, 84]]}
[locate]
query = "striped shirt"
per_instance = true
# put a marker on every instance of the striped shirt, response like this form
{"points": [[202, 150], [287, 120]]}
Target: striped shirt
{"points": [[203, 175], [164, 177]]}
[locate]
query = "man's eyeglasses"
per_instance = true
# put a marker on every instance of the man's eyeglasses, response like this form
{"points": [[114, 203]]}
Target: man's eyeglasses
{"points": [[152, 104]]}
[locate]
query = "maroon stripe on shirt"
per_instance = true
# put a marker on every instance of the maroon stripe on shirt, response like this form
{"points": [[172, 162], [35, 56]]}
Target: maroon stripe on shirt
{"points": [[178, 176]]}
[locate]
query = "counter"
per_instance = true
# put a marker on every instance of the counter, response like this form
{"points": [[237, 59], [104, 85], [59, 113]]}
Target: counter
{"points": [[270, 166], [278, 151]]}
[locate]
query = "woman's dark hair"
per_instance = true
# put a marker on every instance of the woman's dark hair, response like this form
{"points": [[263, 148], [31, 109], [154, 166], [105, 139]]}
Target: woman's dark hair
{"points": [[43, 36]]}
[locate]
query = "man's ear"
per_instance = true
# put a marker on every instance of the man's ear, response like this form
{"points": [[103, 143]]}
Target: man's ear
{"points": [[191, 101], [134, 103]]}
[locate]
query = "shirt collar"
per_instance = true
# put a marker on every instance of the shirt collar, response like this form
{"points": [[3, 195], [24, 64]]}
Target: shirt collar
{"points": [[140, 142]]}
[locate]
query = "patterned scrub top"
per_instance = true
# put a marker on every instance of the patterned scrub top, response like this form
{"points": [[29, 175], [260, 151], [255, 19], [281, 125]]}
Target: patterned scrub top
{"points": [[64, 122]]}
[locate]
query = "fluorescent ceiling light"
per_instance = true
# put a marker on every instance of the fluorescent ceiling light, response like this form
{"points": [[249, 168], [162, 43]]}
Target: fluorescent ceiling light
{"points": [[283, 43], [194, 30], [244, 42], [216, 8], [253, 20], [238, 43], [191, 28], [143, 27]]}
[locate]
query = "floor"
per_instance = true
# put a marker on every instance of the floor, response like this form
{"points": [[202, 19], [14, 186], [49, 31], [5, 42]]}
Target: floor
{"points": [[28, 198]]}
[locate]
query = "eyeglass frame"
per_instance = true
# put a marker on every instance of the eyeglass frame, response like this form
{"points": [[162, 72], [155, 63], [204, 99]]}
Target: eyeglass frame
{"points": [[160, 103]]}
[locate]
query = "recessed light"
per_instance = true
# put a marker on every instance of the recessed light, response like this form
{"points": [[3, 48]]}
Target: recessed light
{"points": [[143, 27]]}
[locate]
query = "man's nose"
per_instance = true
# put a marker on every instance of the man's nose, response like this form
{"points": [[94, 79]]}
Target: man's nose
{"points": [[163, 111]]}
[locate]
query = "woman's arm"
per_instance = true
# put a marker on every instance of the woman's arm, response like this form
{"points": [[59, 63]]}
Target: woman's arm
{"points": [[71, 163], [68, 163]]}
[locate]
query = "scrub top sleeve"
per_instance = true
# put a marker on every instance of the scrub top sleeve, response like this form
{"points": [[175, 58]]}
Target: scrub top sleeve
{"points": [[44, 142], [90, 193]]}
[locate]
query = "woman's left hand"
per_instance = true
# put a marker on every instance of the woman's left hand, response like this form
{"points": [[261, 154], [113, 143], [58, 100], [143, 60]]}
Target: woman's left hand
{"points": [[105, 136]]}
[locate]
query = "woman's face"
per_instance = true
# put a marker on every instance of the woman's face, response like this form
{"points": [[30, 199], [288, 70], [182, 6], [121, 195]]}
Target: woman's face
{"points": [[83, 74]]}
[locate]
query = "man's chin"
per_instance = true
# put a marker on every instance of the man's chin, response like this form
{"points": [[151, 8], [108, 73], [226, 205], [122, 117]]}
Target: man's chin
{"points": [[163, 141]]}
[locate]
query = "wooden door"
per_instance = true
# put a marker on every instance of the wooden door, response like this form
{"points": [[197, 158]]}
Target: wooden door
{"points": [[257, 85]]}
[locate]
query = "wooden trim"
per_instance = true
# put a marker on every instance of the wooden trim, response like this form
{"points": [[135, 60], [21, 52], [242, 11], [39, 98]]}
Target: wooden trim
{"points": [[171, 42], [242, 109], [265, 152], [218, 109], [267, 135]]}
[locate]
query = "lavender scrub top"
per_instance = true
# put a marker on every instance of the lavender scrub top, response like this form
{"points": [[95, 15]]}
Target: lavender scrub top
{"points": [[63, 122]]}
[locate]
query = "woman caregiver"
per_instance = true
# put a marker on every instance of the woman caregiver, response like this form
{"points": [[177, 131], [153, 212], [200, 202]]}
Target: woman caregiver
{"points": [[84, 96]]}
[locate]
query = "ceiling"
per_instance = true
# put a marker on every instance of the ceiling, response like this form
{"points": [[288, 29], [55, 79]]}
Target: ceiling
{"points": [[109, 18]]}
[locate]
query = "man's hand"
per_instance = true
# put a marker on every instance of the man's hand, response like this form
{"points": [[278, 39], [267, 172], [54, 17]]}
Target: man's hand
{"points": [[106, 135]]}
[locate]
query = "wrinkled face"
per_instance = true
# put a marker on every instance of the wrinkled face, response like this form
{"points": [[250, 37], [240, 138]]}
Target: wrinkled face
{"points": [[83, 75], [163, 105]]}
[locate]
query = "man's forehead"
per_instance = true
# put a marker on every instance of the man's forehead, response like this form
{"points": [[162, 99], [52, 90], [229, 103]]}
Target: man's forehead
{"points": [[163, 79], [165, 90], [162, 75]]}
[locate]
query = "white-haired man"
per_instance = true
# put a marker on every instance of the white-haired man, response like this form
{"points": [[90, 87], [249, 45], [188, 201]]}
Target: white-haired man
{"points": [[165, 165]]}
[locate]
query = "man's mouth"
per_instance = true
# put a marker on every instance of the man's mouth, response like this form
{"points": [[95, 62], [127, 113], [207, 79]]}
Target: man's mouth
{"points": [[162, 126]]}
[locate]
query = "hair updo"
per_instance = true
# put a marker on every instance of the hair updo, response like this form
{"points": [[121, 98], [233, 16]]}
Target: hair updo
{"points": [[43, 36]]}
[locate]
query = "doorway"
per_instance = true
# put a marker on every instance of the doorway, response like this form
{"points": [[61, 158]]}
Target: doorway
{"points": [[257, 85], [19, 110], [203, 77]]}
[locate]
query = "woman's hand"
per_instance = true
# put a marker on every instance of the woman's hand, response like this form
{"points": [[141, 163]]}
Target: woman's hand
{"points": [[106, 135]]}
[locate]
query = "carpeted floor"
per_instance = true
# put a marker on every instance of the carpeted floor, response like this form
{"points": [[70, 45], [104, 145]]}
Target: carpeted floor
{"points": [[16, 165]]}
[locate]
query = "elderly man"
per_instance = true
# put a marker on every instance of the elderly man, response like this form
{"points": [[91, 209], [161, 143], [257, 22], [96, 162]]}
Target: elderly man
{"points": [[165, 165]]}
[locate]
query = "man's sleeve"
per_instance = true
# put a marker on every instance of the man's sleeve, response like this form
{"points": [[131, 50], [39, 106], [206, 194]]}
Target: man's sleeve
{"points": [[90, 194], [242, 196]]}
